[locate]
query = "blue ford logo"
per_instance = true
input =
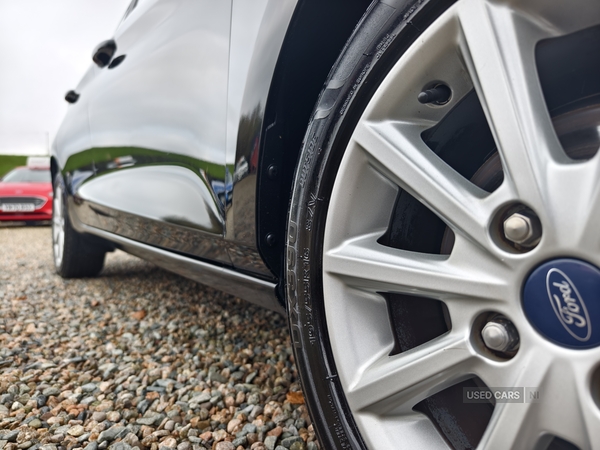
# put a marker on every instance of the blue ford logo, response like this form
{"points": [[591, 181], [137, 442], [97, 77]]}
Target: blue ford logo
{"points": [[568, 305], [561, 299]]}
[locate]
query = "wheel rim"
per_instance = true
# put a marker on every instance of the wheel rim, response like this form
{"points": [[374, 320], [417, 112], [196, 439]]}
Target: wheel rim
{"points": [[488, 47], [58, 227]]}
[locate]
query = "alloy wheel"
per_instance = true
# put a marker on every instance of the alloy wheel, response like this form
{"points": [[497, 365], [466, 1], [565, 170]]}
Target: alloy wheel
{"points": [[58, 226], [395, 389]]}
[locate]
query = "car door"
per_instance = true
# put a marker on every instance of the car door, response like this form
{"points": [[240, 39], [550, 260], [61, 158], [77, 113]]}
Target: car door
{"points": [[157, 120]]}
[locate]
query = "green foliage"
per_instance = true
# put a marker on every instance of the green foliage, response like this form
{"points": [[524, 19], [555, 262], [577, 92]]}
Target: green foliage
{"points": [[144, 157], [9, 162]]}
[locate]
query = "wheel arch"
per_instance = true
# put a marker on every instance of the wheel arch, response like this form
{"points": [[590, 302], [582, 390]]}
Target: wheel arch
{"points": [[315, 38]]}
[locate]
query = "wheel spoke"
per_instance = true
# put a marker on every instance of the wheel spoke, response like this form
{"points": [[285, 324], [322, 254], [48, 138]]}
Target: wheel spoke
{"points": [[516, 425], [397, 150], [557, 413], [588, 427], [589, 206], [513, 425], [400, 382], [498, 46], [365, 264]]}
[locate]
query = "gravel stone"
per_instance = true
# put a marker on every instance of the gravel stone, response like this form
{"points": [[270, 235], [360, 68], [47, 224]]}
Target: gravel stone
{"points": [[202, 398], [76, 431], [51, 391], [287, 442], [270, 442], [240, 441], [35, 423], [89, 387], [111, 434], [99, 416], [137, 357], [120, 446], [225, 445], [10, 436]]}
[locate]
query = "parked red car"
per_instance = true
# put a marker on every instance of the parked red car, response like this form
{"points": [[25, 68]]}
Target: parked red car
{"points": [[26, 194]]}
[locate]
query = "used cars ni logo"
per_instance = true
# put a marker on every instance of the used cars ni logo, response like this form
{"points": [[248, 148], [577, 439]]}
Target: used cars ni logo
{"points": [[568, 305]]}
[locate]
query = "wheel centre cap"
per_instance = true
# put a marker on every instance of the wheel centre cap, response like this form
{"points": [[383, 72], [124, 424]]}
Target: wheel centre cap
{"points": [[561, 299]]}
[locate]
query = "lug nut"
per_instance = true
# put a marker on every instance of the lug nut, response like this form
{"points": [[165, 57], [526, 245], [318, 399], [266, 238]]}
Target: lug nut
{"points": [[523, 229], [500, 335]]}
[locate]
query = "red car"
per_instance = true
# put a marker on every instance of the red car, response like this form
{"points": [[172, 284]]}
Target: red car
{"points": [[26, 194]]}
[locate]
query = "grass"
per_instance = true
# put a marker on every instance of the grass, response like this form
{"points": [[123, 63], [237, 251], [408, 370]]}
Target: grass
{"points": [[9, 162]]}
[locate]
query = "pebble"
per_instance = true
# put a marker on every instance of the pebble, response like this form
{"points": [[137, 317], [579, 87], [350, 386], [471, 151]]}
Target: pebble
{"points": [[225, 446], [242, 441], [270, 442], [287, 442], [10, 436], [275, 431], [89, 387], [233, 423], [138, 356], [35, 423], [76, 431], [113, 416], [111, 434], [99, 416]]}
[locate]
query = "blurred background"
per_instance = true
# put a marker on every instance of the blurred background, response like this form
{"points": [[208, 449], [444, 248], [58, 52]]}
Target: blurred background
{"points": [[45, 48]]}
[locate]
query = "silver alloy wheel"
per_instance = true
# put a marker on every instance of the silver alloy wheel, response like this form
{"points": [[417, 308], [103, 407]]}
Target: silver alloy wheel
{"points": [[58, 227], [488, 46]]}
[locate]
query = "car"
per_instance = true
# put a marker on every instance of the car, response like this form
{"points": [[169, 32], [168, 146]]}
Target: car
{"points": [[415, 185], [26, 193]]}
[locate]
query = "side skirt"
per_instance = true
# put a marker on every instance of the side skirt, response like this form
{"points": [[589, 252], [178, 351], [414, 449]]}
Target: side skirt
{"points": [[253, 290]]}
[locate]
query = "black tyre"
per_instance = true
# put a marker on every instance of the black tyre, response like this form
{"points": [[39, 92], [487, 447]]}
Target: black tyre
{"points": [[434, 132], [381, 37], [75, 255]]}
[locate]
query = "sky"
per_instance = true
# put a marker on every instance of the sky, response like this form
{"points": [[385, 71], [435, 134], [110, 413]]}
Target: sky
{"points": [[45, 48]]}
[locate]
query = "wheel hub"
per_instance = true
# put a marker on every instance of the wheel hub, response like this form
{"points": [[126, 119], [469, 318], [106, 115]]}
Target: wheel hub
{"points": [[561, 299]]}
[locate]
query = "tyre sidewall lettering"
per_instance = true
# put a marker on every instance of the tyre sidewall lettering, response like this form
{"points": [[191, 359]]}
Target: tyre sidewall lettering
{"points": [[323, 148]]}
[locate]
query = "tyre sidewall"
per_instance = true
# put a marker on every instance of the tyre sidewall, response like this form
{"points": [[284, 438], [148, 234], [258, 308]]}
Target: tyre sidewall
{"points": [[83, 256], [381, 37], [60, 184]]}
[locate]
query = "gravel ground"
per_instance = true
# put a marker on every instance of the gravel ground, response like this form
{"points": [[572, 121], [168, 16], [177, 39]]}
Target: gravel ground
{"points": [[138, 357]]}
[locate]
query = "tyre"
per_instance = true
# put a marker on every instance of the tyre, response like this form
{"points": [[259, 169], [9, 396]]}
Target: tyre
{"points": [[75, 255], [446, 191]]}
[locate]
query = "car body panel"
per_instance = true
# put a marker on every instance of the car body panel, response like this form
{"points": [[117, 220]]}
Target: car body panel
{"points": [[256, 73], [149, 149]]}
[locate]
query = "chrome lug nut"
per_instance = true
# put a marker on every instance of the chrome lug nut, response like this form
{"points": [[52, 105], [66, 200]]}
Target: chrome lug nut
{"points": [[500, 335], [522, 229]]}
